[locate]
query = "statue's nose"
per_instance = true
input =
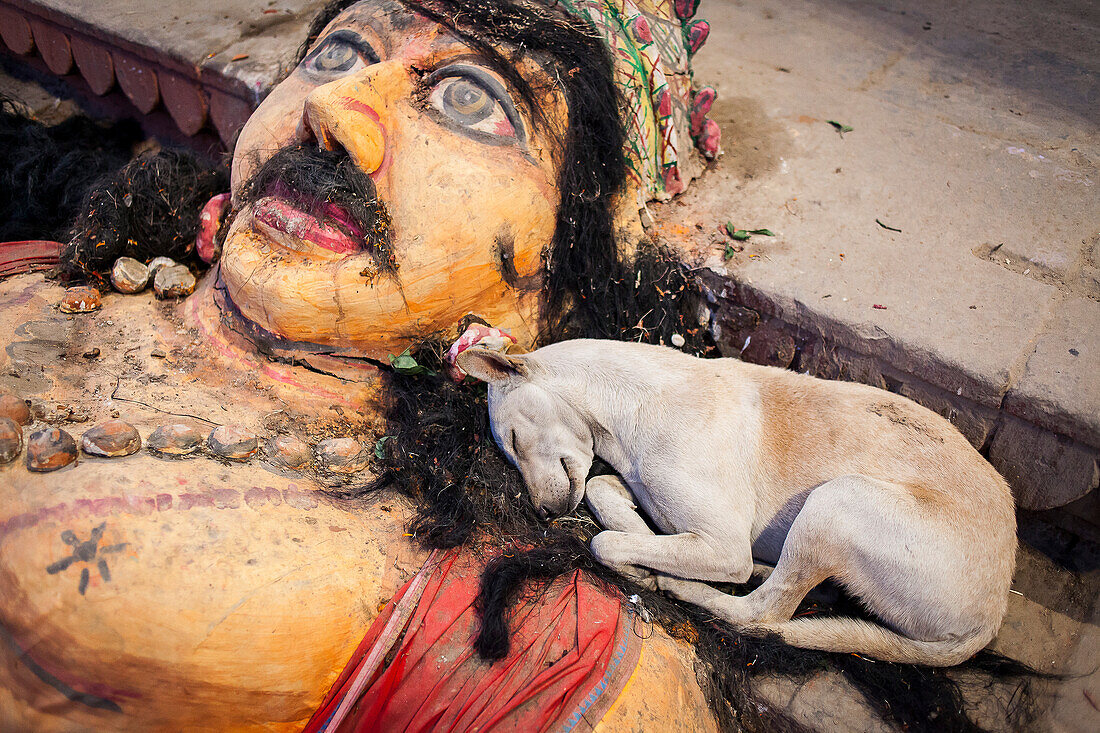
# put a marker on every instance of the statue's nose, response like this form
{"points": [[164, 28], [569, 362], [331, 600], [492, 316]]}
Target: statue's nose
{"points": [[349, 113]]}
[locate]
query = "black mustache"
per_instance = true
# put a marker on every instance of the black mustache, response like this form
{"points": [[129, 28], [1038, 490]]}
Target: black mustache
{"points": [[311, 178]]}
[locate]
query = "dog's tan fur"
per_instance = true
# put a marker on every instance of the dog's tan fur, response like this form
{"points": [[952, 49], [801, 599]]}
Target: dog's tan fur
{"points": [[732, 461]]}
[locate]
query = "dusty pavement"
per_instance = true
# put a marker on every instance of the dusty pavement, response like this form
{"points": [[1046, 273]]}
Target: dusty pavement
{"points": [[976, 133]]}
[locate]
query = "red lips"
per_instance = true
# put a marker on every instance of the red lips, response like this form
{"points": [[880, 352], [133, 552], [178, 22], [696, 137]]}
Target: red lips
{"points": [[283, 216]]}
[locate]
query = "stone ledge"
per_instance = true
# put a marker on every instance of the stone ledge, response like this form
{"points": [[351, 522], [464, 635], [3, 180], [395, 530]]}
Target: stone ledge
{"points": [[1045, 468], [206, 65]]}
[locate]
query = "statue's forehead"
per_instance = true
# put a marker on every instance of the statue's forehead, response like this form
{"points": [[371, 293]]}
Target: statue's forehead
{"points": [[395, 25], [393, 11], [398, 32]]}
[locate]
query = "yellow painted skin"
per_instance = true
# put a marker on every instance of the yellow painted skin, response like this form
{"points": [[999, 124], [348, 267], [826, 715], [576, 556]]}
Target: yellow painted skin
{"points": [[241, 589], [235, 593], [451, 195]]}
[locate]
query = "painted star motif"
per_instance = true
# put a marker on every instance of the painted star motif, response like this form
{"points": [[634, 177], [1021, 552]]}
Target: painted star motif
{"points": [[86, 552]]}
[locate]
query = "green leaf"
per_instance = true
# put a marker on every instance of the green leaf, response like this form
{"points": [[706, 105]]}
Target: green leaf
{"points": [[742, 235], [378, 445], [840, 126], [739, 234], [404, 363], [730, 251]]}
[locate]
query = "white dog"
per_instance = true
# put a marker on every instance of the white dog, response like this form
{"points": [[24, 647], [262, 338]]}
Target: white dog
{"points": [[732, 461]]}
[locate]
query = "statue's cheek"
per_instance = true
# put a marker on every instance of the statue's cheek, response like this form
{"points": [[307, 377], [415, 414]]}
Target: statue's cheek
{"points": [[273, 125]]}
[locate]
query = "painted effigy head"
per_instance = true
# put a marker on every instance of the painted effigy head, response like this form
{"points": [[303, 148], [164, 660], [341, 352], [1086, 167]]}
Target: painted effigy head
{"points": [[426, 160]]}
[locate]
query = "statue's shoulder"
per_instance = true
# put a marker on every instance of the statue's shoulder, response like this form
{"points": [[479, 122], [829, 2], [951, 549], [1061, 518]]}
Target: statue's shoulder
{"points": [[45, 350], [26, 294]]}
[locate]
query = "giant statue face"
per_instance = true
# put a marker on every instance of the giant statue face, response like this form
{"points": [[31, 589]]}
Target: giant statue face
{"points": [[416, 165], [464, 168]]}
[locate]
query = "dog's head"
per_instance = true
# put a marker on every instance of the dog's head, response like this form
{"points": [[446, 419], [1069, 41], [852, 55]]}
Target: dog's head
{"points": [[539, 431]]}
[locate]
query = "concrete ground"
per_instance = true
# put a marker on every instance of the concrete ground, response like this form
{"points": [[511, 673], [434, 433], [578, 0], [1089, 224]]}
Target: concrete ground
{"points": [[976, 132]]}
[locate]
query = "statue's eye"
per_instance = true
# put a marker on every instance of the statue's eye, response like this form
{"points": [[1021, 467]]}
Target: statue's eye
{"points": [[340, 53], [472, 98]]}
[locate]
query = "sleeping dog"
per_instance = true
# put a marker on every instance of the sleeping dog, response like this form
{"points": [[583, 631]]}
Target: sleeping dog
{"points": [[732, 461]]}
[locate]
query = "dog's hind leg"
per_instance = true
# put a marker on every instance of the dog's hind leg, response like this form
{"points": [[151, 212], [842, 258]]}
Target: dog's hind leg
{"points": [[868, 535], [775, 600], [828, 530]]}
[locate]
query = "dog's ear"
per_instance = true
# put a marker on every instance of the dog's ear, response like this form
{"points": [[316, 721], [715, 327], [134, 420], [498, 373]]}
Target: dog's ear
{"points": [[491, 366]]}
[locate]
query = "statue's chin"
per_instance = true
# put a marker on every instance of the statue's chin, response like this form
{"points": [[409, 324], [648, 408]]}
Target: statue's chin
{"points": [[314, 299], [346, 363]]}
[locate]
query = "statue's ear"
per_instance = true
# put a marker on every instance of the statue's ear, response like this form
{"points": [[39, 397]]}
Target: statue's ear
{"points": [[491, 366]]}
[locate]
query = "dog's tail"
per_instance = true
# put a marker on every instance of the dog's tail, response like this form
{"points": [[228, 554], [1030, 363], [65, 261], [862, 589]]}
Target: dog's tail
{"points": [[856, 636]]}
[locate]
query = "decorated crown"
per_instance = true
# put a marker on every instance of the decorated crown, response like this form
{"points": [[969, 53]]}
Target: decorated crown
{"points": [[652, 43]]}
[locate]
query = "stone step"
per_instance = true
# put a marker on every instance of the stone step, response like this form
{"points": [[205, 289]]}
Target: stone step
{"points": [[985, 306], [207, 65]]}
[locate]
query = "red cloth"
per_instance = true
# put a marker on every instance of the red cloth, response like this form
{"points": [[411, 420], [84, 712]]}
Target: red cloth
{"points": [[20, 257], [572, 651]]}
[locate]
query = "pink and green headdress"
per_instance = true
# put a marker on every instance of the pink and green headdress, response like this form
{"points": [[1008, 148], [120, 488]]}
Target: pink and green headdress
{"points": [[652, 43]]}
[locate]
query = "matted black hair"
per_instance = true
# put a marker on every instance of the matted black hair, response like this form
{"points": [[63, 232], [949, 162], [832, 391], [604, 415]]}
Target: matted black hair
{"points": [[47, 171], [149, 208], [78, 182]]}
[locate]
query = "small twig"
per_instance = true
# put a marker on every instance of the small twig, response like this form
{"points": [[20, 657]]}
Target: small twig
{"points": [[114, 396], [583, 520], [885, 226]]}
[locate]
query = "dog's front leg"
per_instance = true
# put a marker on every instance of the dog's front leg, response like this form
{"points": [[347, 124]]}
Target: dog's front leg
{"points": [[613, 506], [686, 555]]}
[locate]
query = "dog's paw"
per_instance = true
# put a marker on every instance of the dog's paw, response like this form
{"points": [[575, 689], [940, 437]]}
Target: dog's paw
{"points": [[606, 547], [676, 587], [645, 579], [639, 575]]}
